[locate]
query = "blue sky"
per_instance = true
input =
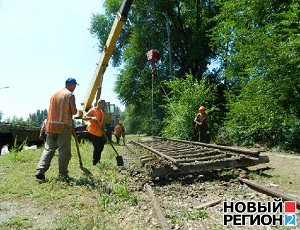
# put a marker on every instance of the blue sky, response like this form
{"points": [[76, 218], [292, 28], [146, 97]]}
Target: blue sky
{"points": [[42, 43]]}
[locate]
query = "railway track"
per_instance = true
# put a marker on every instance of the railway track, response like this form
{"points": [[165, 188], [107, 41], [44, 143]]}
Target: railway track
{"points": [[204, 192], [217, 201], [171, 156]]}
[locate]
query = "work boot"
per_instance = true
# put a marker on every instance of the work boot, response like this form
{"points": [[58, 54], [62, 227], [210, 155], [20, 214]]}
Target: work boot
{"points": [[95, 163], [40, 176], [63, 177]]}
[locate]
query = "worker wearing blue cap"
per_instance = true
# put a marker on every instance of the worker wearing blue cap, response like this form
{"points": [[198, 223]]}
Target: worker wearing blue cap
{"points": [[59, 127], [71, 81]]}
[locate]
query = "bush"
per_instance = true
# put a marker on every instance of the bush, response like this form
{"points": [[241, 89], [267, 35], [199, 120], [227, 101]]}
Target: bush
{"points": [[291, 133], [183, 101]]}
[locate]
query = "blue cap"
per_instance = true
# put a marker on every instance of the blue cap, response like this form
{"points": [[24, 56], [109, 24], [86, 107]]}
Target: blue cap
{"points": [[71, 81]]}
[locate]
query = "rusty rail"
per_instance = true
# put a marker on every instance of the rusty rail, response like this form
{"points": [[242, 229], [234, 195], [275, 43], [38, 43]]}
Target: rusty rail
{"points": [[157, 152], [270, 192], [159, 213], [190, 157], [221, 147]]}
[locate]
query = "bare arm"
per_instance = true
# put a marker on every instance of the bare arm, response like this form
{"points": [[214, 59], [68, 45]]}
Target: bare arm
{"points": [[88, 116], [196, 119], [73, 105]]}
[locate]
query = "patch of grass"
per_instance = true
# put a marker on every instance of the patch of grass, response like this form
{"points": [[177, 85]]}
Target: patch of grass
{"points": [[176, 221], [225, 172], [170, 193], [134, 200], [167, 214], [17, 154], [254, 175], [83, 202], [217, 227], [16, 222], [3, 208], [195, 214]]}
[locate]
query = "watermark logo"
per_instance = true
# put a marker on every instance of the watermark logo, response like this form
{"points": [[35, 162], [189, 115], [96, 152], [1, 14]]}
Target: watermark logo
{"points": [[273, 213], [290, 218]]}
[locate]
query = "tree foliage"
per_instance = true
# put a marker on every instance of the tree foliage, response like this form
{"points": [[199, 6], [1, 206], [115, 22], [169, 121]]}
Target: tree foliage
{"points": [[147, 28], [258, 44], [253, 94], [182, 103], [16, 120], [34, 119], [37, 118]]}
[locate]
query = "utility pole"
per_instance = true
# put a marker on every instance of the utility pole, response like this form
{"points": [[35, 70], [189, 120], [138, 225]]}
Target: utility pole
{"points": [[169, 41]]}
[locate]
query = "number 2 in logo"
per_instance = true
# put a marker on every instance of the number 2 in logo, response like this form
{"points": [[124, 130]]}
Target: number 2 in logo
{"points": [[290, 220]]}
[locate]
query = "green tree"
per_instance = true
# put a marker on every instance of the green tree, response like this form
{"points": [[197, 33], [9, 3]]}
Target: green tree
{"points": [[146, 29], [257, 46], [16, 120], [37, 118], [134, 122]]}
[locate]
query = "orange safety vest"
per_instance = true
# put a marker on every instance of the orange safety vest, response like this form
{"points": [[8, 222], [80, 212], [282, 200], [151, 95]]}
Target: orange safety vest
{"points": [[202, 119], [117, 130], [92, 127], [59, 113]]}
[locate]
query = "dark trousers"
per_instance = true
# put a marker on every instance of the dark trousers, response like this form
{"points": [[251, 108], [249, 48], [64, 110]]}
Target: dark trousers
{"points": [[117, 139], [98, 143], [204, 135]]}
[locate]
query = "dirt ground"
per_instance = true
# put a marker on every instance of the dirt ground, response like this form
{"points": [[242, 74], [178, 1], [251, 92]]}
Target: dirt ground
{"points": [[179, 198], [183, 195], [282, 173]]}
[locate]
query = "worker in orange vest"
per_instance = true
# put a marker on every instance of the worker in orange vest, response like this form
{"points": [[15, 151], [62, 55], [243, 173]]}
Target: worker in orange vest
{"points": [[59, 127], [119, 131], [202, 123], [95, 126]]}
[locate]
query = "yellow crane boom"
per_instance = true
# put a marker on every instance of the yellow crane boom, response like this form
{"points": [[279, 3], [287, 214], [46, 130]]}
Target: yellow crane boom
{"points": [[96, 84]]}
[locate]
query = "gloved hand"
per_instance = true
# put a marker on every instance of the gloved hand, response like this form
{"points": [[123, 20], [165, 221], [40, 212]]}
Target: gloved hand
{"points": [[95, 119]]}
